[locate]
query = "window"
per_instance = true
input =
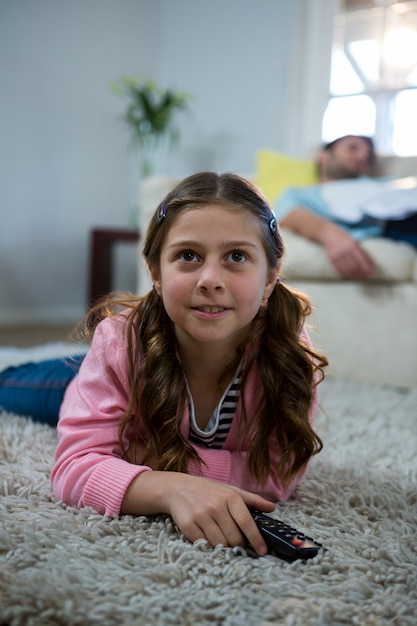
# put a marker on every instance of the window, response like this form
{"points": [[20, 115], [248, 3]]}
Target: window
{"points": [[373, 81]]}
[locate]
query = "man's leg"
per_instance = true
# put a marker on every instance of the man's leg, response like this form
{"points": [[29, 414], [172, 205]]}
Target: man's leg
{"points": [[403, 230], [37, 389]]}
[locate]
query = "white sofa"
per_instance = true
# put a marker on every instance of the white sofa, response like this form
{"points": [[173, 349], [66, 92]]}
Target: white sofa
{"points": [[368, 330]]}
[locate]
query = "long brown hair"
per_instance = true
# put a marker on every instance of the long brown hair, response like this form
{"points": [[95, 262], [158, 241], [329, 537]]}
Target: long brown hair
{"points": [[288, 367]]}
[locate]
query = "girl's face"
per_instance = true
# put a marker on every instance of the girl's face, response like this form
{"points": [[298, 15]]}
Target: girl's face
{"points": [[213, 275]]}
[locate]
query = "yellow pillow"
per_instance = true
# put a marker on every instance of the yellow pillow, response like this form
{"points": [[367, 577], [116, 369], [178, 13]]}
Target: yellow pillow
{"points": [[275, 172]]}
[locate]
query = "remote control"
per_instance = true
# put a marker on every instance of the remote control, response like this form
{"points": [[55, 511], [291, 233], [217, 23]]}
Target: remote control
{"points": [[285, 541]]}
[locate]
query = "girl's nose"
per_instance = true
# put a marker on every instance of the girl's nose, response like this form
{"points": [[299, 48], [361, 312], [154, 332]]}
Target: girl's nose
{"points": [[210, 278]]}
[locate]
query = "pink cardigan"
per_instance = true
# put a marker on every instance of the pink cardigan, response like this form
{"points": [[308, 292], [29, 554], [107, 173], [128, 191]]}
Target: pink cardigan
{"points": [[89, 470]]}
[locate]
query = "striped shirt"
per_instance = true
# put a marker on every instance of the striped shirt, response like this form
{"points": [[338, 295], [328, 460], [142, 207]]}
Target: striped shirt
{"points": [[219, 424]]}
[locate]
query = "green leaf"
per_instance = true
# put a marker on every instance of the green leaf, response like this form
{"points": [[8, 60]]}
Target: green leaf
{"points": [[150, 110]]}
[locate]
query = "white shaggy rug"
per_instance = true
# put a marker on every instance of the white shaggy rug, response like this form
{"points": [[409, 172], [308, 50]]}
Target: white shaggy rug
{"points": [[62, 566]]}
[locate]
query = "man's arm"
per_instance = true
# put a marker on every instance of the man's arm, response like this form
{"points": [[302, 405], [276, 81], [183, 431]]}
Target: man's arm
{"points": [[344, 252]]}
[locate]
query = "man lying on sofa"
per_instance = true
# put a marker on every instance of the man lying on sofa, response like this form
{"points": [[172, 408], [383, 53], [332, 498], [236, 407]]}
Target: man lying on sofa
{"points": [[348, 206]]}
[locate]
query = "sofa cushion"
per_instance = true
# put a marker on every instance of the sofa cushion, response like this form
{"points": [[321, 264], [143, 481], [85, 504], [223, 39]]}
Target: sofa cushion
{"points": [[275, 172], [306, 260]]}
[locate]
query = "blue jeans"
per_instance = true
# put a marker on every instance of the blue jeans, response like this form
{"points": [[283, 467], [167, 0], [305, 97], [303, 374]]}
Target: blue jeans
{"points": [[403, 230], [37, 389]]}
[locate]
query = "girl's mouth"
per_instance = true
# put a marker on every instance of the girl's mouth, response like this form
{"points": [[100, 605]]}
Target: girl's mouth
{"points": [[211, 312], [211, 309]]}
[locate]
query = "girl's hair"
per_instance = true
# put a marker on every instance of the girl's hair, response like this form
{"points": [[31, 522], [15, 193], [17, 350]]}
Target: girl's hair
{"points": [[288, 367]]}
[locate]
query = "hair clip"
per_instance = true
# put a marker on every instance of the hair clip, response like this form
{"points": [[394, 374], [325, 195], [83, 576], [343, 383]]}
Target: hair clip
{"points": [[161, 215], [273, 224]]}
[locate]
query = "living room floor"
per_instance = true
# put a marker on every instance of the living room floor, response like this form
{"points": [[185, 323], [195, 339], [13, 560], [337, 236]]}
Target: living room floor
{"points": [[26, 336]]}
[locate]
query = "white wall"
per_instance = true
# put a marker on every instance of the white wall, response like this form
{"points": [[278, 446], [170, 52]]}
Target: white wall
{"points": [[235, 60], [64, 158]]}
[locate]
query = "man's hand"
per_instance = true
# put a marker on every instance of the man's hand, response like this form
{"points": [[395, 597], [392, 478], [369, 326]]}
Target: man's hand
{"points": [[346, 255]]}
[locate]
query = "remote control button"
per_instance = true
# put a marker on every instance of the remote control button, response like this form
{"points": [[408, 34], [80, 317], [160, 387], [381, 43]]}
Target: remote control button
{"points": [[309, 544], [296, 541]]}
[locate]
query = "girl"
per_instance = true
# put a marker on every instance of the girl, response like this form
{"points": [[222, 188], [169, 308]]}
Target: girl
{"points": [[197, 399]]}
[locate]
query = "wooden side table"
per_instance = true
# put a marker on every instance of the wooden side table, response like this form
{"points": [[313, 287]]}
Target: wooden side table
{"points": [[102, 241]]}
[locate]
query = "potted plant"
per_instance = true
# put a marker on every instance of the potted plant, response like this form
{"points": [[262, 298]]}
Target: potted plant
{"points": [[150, 115]]}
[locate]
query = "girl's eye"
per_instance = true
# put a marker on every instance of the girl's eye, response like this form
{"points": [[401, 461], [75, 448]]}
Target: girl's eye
{"points": [[188, 255], [237, 256]]}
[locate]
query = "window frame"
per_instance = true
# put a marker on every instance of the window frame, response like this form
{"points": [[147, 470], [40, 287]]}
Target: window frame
{"points": [[382, 92]]}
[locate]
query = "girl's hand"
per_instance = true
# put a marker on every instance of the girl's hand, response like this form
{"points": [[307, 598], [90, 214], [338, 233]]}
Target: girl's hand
{"points": [[218, 513], [201, 508]]}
